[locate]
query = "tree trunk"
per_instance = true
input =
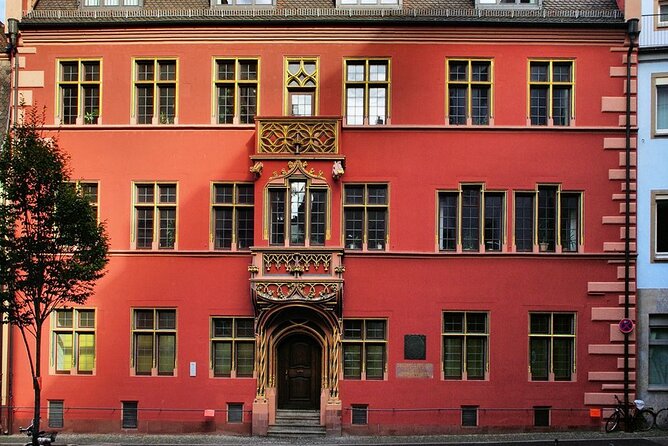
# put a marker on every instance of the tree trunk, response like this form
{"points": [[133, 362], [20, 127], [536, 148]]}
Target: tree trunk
{"points": [[36, 383]]}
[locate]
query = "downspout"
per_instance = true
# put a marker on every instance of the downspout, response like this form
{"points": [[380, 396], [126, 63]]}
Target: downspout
{"points": [[12, 117], [632, 32]]}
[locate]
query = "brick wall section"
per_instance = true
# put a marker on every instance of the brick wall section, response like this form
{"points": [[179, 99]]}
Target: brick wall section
{"points": [[611, 383]]}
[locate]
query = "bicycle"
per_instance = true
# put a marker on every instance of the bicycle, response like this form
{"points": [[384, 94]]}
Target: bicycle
{"points": [[661, 420], [642, 418]]}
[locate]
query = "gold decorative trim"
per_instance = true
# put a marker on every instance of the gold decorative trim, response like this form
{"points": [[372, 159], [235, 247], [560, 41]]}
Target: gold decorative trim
{"points": [[298, 136], [298, 166], [296, 291], [296, 261]]}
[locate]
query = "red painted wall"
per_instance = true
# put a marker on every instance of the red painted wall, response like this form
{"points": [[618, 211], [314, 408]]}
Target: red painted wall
{"points": [[411, 284]]}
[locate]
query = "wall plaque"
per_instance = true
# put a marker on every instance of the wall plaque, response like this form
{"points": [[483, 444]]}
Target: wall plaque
{"points": [[409, 370]]}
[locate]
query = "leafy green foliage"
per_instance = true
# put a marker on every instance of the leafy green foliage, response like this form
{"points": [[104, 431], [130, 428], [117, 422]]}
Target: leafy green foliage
{"points": [[52, 249]]}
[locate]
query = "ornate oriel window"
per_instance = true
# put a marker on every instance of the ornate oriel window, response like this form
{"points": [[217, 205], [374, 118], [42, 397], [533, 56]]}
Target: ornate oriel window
{"points": [[297, 209], [301, 86]]}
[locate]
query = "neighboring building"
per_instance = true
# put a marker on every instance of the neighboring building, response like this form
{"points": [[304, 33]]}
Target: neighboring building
{"points": [[653, 204], [378, 213]]}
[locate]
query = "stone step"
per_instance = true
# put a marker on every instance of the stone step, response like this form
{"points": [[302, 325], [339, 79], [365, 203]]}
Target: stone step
{"points": [[296, 431]]}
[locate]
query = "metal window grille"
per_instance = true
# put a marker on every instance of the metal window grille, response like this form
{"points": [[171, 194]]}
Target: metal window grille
{"points": [[541, 416], [235, 412], [129, 415], [360, 414], [56, 418], [469, 415]]}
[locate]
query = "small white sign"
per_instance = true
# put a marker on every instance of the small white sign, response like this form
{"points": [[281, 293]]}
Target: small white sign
{"points": [[193, 369]]}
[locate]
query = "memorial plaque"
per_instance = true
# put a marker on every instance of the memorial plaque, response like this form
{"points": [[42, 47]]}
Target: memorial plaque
{"points": [[415, 346], [409, 370]]}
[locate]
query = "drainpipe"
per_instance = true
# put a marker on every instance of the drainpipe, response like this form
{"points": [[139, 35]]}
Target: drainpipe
{"points": [[632, 32]]}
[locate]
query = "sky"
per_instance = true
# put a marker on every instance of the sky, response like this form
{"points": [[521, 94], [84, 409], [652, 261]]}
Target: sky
{"points": [[2, 11]]}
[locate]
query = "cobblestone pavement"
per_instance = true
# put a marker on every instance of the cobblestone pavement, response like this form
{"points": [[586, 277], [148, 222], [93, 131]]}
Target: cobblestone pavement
{"points": [[567, 438]]}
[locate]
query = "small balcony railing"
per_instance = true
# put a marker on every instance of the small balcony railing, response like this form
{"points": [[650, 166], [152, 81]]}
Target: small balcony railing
{"points": [[297, 136]]}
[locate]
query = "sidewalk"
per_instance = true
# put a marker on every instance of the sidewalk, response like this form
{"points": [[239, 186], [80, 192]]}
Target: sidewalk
{"points": [[654, 437]]}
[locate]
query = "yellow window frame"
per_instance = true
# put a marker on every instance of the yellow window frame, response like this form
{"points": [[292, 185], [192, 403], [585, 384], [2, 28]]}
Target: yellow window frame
{"points": [[469, 83], [80, 83], [155, 82], [237, 82], [366, 84], [301, 86], [155, 205], [550, 83]]}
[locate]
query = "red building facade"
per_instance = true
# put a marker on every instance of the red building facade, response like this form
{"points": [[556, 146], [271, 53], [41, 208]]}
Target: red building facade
{"points": [[390, 220]]}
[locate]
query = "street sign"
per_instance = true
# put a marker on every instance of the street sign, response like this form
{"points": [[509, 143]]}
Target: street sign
{"points": [[626, 326]]}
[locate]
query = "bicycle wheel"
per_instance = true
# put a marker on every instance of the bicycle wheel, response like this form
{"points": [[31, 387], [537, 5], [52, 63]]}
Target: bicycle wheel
{"points": [[612, 423], [661, 420], [644, 420]]}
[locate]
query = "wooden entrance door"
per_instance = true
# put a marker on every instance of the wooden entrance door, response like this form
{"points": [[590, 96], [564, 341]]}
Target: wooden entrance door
{"points": [[299, 373]]}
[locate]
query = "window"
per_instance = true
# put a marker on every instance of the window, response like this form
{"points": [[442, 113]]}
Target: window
{"points": [[155, 91], [242, 2], [658, 350], [506, 3], [367, 91], [107, 3], [56, 414], [469, 92], [232, 346], [368, 3], [364, 348], [79, 87], [89, 190], [359, 414], [155, 215], [73, 341], [663, 13], [298, 213], [469, 218], [552, 346], [465, 341], [541, 416], [236, 88], [232, 215], [470, 416], [235, 412], [301, 84], [365, 209], [557, 217], [551, 88], [660, 103], [154, 341], [129, 415], [659, 224]]}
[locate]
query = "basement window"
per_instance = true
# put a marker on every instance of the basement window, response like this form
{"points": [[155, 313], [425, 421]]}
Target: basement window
{"points": [[541, 416], [470, 416], [360, 414], [235, 412]]}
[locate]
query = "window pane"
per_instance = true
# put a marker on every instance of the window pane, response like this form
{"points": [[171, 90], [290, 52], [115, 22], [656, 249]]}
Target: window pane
{"points": [[297, 212], [245, 358], [223, 193], [70, 103], [355, 105], [375, 329], [453, 323], [244, 328], [563, 324], [86, 347], [222, 358], [144, 234], [56, 414], [225, 70], [476, 323], [453, 357], [166, 320], [539, 71], [493, 222], [457, 70], [354, 195], [143, 354], [376, 228], [480, 71], [64, 349], [480, 105], [144, 319], [457, 105], [352, 329], [661, 226], [378, 71], [562, 359], [377, 105], [222, 327], [561, 105], [539, 323], [538, 105], [375, 361], [166, 354], [524, 222], [355, 71], [225, 104], [245, 193], [91, 71], [354, 221], [223, 228], [129, 415], [561, 72], [167, 193], [64, 318], [91, 103], [471, 219], [167, 228], [352, 361], [167, 105], [658, 364], [539, 351], [662, 103], [245, 236], [247, 104], [167, 70], [248, 69], [277, 225], [318, 216], [475, 357], [86, 318], [144, 104], [447, 209], [547, 213]]}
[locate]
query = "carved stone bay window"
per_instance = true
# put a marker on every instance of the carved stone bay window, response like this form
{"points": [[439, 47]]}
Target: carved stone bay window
{"points": [[297, 210]]}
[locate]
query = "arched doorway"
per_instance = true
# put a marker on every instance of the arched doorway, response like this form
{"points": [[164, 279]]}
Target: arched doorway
{"points": [[299, 372]]}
